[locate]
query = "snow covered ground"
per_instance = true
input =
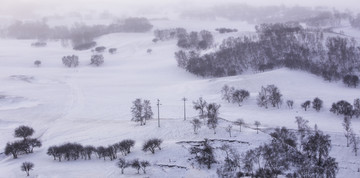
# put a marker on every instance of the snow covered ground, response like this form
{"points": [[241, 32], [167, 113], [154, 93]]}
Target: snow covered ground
{"points": [[91, 105]]}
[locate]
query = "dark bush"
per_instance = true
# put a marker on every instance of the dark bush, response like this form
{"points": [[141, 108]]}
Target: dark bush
{"points": [[100, 49], [112, 50], [39, 44], [85, 46], [97, 60]]}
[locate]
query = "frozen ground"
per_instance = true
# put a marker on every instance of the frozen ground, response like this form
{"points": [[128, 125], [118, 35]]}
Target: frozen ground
{"points": [[91, 105]]}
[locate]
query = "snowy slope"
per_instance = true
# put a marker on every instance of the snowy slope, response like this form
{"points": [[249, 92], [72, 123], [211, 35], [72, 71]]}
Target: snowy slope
{"points": [[91, 105]]}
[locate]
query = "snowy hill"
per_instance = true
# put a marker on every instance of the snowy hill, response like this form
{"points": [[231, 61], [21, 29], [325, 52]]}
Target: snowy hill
{"points": [[91, 105]]}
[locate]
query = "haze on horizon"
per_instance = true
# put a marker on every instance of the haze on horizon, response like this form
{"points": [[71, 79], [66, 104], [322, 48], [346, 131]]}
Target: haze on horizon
{"points": [[38, 8]]}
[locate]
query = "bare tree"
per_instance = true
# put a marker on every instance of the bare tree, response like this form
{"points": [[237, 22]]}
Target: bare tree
{"points": [[122, 164], [306, 105], [347, 127], [239, 122], [26, 167], [147, 111], [228, 129], [143, 165], [212, 114], [196, 125], [200, 105], [137, 111], [141, 111], [227, 93], [238, 96], [136, 165], [290, 103], [355, 140], [262, 99], [151, 145], [303, 128]]}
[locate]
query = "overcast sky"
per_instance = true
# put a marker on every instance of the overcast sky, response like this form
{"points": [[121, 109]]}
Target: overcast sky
{"points": [[24, 8]]}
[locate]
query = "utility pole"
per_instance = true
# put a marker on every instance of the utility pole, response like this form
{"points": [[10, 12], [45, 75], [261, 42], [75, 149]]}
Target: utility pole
{"points": [[184, 99], [158, 107]]}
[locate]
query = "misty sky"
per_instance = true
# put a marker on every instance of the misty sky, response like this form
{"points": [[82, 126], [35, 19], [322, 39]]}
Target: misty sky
{"points": [[25, 8]]}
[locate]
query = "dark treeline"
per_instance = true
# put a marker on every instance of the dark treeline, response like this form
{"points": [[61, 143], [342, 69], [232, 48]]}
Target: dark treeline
{"points": [[186, 40], [74, 151], [78, 33], [272, 14], [277, 45]]}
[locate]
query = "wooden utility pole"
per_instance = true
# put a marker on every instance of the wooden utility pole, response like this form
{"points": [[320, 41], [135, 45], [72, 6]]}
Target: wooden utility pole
{"points": [[184, 99], [158, 107]]}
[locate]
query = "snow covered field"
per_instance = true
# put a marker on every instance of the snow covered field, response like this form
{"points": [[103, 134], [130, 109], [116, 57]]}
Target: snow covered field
{"points": [[91, 105]]}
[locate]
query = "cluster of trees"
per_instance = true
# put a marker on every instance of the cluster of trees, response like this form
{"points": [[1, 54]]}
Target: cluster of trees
{"points": [[73, 61], [24, 146], [277, 45], [300, 153], [231, 166], [269, 95], [345, 108], [78, 34], [204, 153], [226, 30], [195, 40], [141, 111], [286, 154], [208, 112], [70, 61], [188, 41], [230, 94], [74, 151], [317, 104], [168, 34], [136, 164]]}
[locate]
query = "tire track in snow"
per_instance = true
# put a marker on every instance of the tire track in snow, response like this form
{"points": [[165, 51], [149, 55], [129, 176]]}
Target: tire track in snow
{"points": [[75, 103]]}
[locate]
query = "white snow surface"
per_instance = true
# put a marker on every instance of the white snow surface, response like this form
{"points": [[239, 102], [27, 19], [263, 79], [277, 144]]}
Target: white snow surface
{"points": [[91, 105]]}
